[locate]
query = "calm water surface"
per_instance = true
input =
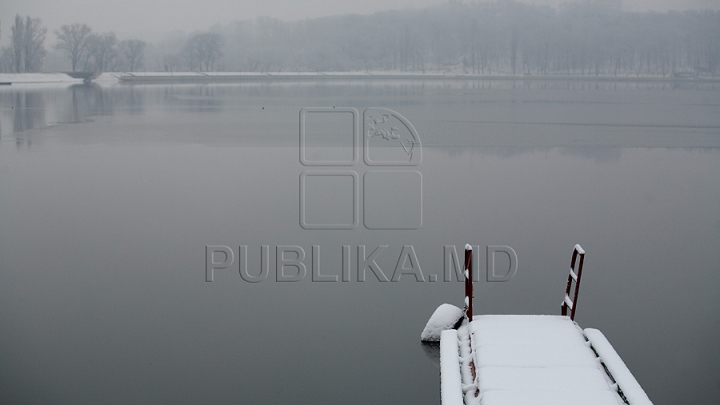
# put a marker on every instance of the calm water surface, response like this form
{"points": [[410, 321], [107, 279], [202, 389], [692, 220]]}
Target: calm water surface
{"points": [[110, 194]]}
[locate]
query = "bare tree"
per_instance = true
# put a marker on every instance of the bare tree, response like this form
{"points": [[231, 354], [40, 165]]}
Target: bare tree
{"points": [[171, 62], [202, 51], [28, 51], [7, 62], [102, 52], [134, 52], [17, 30], [73, 39]]}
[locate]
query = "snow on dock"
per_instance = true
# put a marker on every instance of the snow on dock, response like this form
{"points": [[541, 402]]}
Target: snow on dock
{"points": [[451, 382], [535, 360], [530, 359], [632, 390]]}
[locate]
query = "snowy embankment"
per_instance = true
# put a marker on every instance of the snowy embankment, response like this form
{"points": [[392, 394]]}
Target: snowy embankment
{"points": [[34, 78], [211, 77], [52, 78], [215, 77]]}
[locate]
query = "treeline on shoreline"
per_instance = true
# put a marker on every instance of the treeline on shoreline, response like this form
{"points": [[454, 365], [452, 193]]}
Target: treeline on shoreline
{"points": [[486, 38]]}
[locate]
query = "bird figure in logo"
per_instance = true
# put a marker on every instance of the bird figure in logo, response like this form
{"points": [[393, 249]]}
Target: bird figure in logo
{"points": [[392, 133]]}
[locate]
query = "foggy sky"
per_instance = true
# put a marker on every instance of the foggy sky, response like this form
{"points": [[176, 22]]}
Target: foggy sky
{"points": [[146, 19]]}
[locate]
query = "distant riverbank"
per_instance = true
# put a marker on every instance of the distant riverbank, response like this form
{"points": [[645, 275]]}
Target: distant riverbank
{"points": [[220, 77], [202, 77], [50, 78]]}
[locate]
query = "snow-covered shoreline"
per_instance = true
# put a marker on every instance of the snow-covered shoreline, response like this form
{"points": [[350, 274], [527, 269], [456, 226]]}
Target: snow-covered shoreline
{"points": [[34, 78], [50, 78], [179, 77], [217, 77]]}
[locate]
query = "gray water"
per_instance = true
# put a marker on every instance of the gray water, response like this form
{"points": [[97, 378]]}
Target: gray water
{"points": [[110, 194]]}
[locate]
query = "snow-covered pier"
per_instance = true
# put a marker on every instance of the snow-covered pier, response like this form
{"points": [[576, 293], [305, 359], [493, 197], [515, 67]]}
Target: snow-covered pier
{"points": [[531, 359]]}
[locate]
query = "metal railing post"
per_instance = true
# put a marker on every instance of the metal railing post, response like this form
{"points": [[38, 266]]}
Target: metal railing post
{"points": [[574, 277], [468, 283]]}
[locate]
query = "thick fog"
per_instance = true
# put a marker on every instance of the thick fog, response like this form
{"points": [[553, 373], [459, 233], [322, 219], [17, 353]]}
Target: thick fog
{"points": [[585, 38], [149, 19]]}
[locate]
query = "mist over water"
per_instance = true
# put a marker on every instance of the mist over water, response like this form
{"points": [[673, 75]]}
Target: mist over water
{"points": [[109, 195]]}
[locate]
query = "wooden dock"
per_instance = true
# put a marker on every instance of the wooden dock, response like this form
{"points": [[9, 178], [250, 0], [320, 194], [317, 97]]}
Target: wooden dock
{"points": [[534, 359]]}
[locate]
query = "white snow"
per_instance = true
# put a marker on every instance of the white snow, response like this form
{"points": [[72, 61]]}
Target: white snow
{"points": [[554, 378], [526, 329], [536, 360], [535, 355], [54, 78], [622, 375], [468, 247], [108, 77], [444, 318], [34, 78], [469, 385], [450, 381], [533, 397], [580, 249]]}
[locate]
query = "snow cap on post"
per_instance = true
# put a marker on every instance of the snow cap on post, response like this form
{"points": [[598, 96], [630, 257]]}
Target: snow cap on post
{"points": [[468, 247]]}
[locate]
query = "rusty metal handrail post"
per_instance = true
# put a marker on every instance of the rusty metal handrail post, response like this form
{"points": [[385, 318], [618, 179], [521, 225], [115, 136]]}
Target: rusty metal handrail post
{"points": [[468, 283], [578, 252]]}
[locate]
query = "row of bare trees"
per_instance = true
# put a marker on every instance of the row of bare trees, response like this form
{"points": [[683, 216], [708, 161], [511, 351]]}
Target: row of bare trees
{"points": [[99, 52], [201, 52], [27, 49], [582, 38], [87, 50], [506, 37]]}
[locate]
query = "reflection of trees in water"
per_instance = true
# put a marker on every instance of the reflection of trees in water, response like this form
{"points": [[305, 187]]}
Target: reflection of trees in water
{"points": [[598, 154], [88, 100], [27, 109], [135, 100], [198, 98], [28, 113]]}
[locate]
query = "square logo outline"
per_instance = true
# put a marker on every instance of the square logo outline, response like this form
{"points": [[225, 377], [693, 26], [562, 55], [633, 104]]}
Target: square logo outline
{"points": [[392, 228], [330, 173], [330, 110]]}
